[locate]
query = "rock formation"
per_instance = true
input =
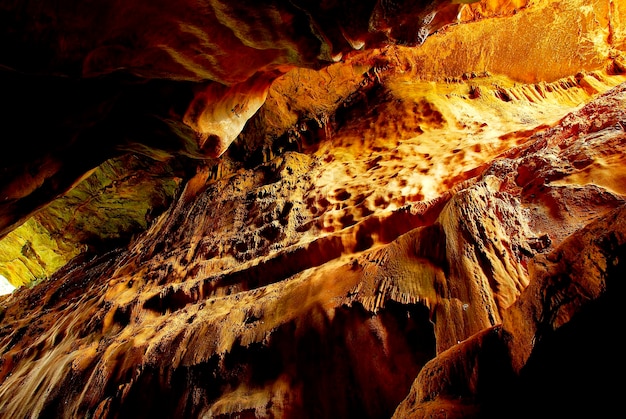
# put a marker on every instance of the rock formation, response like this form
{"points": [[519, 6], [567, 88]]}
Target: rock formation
{"points": [[366, 209]]}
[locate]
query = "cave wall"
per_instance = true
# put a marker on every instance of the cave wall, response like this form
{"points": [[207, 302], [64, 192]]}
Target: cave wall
{"points": [[424, 230]]}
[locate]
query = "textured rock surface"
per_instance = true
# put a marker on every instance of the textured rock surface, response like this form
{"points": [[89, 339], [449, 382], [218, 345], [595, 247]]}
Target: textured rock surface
{"points": [[423, 231], [571, 294], [197, 70]]}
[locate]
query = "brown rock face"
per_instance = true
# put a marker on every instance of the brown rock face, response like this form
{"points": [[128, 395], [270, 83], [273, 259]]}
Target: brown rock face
{"points": [[208, 66], [307, 210], [568, 311]]}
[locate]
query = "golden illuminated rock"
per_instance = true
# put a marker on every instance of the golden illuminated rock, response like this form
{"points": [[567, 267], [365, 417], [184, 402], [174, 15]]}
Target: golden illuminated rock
{"points": [[218, 114], [346, 209], [569, 299], [190, 74]]}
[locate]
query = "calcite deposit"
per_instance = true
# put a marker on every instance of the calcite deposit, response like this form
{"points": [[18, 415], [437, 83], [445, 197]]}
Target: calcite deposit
{"points": [[291, 209]]}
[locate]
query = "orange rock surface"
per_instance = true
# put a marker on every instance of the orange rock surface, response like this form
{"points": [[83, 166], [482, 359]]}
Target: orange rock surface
{"points": [[383, 209]]}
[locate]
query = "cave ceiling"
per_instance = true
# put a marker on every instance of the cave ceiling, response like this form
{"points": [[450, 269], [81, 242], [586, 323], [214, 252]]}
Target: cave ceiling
{"points": [[109, 107], [337, 174]]}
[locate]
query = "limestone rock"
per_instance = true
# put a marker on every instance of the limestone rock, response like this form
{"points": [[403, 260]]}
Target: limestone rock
{"points": [[303, 210]]}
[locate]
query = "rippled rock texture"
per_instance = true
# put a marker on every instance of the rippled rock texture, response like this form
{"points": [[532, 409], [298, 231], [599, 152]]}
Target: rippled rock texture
{"points": [[232, 225]]}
